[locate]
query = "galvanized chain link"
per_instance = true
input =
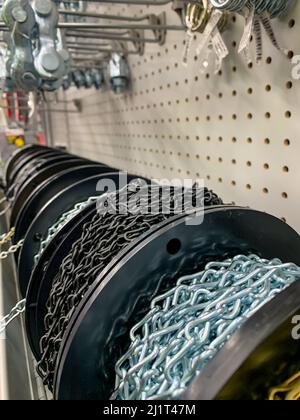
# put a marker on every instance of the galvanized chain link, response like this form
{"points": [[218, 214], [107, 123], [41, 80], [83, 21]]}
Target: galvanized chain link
{"points": [[7, 236], [6, 208], [288, 391], [14, 313], [101, 241], [60, 223], [22, 177], [189, 324], [12, 250]]}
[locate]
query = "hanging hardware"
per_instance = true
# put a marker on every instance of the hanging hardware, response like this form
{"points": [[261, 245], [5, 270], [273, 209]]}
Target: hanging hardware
{"points": [[14, 313], [12, 250]]}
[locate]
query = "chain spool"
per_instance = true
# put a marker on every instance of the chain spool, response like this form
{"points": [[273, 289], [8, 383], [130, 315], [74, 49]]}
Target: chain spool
{"points": [[116, 301], [23, 162], [28, 171], [112, 233], [51, 168], [45, 192], [54, 207], [18, 155], [110, 301], [250, 356], [187, 326], [48, 265]]}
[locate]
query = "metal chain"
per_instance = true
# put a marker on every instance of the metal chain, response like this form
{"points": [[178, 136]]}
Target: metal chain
{"points": [[12, 250], [14, 313], [7, 236], [288, 391], [186, 326], [22, 177], [60, 223], [101, 241]]}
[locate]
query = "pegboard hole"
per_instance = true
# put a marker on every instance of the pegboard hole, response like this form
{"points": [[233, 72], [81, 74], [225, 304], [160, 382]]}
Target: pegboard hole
{"points": [[266, 166], [287, 142], [268, 88], [284, 195], [249, 164], [292, 23], [289, 84], [286, 169], [249, 187], [265, 191], [288, 114]]}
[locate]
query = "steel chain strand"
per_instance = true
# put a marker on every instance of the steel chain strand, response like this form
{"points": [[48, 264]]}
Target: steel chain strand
{"points": [[186, 326], [14, 313], [22, 177], [60, 223], [101, 241], [288, 391], [12, 250], [7, 236]]}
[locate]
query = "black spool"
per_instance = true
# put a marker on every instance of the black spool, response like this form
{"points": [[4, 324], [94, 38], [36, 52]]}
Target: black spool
{"points": [[48, 266], [19, 154], [107, 307], [47, 190], [62, 201], [32, 185], [20, 165]]}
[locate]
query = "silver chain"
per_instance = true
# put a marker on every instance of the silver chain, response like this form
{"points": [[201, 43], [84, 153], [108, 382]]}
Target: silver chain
{"points": [[11, 250], [186, 326], [14, 313], [60, 223]]}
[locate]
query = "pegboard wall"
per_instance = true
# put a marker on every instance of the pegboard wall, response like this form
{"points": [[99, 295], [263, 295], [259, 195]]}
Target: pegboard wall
{"points": [[238, 129]]}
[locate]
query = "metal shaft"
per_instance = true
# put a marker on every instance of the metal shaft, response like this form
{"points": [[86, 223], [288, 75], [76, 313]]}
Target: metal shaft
{"points": [[89, 35], [100, 16], [88, 25]]}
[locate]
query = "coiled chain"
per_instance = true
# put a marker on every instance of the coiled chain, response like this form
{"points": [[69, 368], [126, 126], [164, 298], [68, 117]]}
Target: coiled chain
{"points": [[108, 233], [189, 324], [60, 223]]}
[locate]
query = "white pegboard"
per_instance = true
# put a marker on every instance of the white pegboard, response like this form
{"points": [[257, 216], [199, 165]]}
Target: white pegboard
{"points": [[238, 130]]}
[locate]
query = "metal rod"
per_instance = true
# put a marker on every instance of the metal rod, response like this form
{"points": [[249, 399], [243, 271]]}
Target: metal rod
{"points": [[88, 25], [137, 2], [89, 35], [101, 32], [40, 109], [76, 44], [100, 16], [103, 50]]}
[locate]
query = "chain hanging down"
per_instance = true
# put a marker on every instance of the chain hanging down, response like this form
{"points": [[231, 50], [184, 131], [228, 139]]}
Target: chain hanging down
{"points": [[101, 240], [12, 250], [6, 237], [189, 324], [14, 313]]}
